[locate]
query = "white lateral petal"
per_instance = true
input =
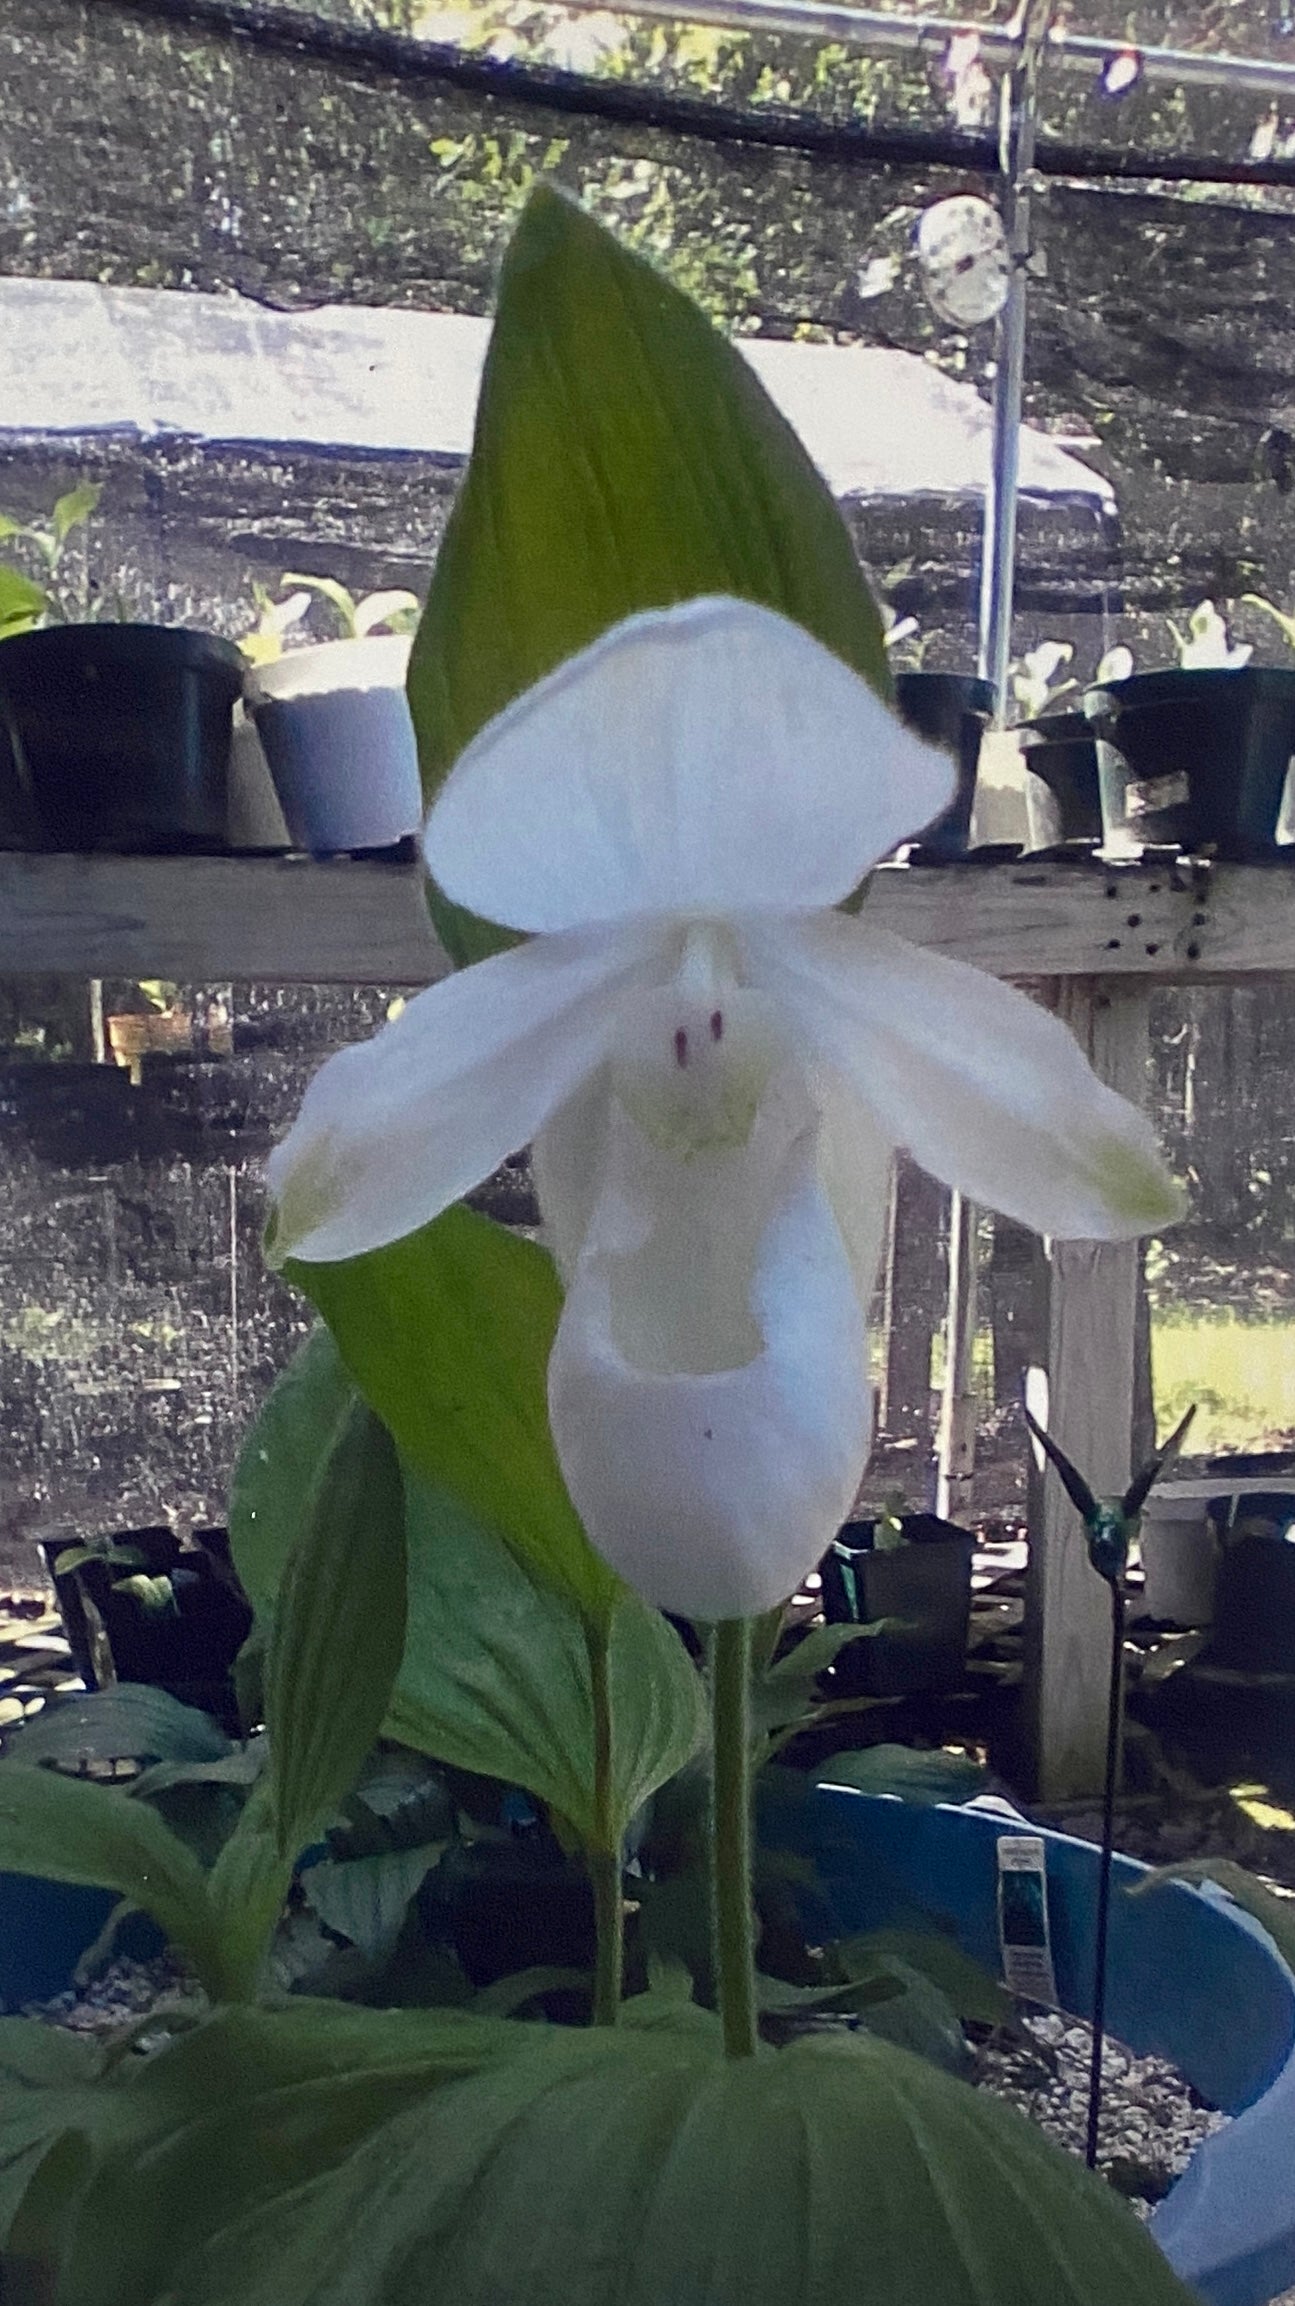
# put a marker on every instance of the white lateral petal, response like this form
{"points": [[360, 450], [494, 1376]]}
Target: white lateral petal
{"points": [[707, 1386], [568, 1159], [694, 760], [988, 1091], [854, 1159], [392, 1130]]}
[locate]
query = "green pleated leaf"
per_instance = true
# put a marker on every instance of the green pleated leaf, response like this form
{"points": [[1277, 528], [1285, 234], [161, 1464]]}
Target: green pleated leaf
{"points": [[912, 1773], [497, 1676], [128, 1722], [248, 1885], [626, 457], [46, 2091], [235, 2114], [21, 601], [339, 1630], [366, 1899], [786, 1696], [972, 1991], [71, 1830], [278, 1464], [640, 2168], [447, 1334]]}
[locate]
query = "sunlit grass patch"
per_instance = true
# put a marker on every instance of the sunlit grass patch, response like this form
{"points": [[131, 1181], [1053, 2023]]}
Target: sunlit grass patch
{"points": [[1240, 1371]]}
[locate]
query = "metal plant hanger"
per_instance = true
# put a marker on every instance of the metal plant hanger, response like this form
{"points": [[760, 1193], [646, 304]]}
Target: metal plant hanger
{"points": [[1110, 1525]]}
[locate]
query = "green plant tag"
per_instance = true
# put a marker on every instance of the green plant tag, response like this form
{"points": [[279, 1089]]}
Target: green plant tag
{"points": [[626, 457], [447, 1334]]}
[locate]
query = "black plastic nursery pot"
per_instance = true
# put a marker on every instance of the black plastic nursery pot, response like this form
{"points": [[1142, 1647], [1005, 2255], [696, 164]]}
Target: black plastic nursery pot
{"points": [[953, 710], [1195, 758], [924, 1584], [1062, 749], [187, 1647], [157, 1550], [1254, 1609], [116, 737]]}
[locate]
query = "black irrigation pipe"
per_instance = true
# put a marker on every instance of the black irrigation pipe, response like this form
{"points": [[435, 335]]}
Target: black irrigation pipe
{"points": [[395, 56]]}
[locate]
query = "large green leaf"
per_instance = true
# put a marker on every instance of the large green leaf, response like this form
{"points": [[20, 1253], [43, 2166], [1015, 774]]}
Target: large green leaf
{"points": [[366, 1899], [497, 1676], [641, 2168], [71, 1830], [21, 601], [972, 1991], [279, 1463], [47, 2079], [626, 457], [786, 1696], [233, 2114], [130, 1721], [447, 1334], [339, 1630], [911, 1772]]}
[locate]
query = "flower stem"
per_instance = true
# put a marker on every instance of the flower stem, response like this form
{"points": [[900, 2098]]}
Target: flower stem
{"points": [[604, 1857], [731, 1835]]}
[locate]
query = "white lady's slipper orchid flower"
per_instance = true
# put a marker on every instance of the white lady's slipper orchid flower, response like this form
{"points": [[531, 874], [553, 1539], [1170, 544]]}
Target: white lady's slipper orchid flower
{"points": [[715, 1067]]}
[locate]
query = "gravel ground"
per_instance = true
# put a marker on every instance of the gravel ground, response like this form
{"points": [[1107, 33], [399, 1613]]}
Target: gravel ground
{"points": [[122, 1994], [1151, 2123]]}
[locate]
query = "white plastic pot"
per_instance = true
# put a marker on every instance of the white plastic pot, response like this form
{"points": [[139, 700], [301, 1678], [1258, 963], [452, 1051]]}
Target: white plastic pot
{"points": [[1180, 1555], [339, 739]]}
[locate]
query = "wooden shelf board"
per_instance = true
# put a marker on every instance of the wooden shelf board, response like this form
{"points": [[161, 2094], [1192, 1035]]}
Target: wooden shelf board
{"points": [[295, 920]]}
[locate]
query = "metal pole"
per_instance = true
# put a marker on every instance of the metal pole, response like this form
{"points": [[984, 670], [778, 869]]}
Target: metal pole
{"points": [[998, 555], [956, 1447], [884, 33]]}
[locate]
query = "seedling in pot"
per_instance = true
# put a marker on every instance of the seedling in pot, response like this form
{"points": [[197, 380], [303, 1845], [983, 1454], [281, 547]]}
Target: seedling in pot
{"points": [[1207, 644], [1035, 687], [1110, 1525], [333, 718], [26, 602], [1285, 624], [392, 612]]}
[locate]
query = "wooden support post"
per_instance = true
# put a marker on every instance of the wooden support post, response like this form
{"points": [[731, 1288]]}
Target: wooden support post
{"points": [[1092, 1397], [914, 1285], [956, 1462]]}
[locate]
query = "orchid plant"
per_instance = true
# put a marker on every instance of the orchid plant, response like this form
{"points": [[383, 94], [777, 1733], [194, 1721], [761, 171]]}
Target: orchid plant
{"points": [[652, 705]]}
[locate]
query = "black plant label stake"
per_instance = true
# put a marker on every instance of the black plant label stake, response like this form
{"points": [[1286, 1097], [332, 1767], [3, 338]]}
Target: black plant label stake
{"points": [[1110, 1525]]}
